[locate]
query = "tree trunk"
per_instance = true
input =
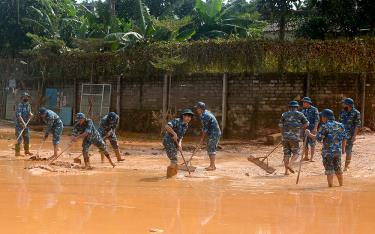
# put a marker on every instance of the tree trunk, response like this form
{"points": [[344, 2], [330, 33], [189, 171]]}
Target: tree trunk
{"points": [[112, 7], [282, 25]]}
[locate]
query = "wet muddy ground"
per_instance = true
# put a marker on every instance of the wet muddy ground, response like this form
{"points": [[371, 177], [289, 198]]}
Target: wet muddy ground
{"points": [[135, 197]]}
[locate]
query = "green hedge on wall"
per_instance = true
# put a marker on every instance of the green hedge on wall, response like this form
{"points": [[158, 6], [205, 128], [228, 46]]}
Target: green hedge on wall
{"points": [[215, 56]]}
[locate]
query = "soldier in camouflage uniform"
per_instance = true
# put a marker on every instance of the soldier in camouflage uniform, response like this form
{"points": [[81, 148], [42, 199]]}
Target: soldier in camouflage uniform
{"points": [[172, 140], [84, 128], [291, 123], [210, 129], [107, 130], [54, 126], [312, 115], [333, 135], [23, 115], [351, 118]]}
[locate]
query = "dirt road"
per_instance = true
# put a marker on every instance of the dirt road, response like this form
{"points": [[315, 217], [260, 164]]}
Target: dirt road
{"points": [[135, 197]]}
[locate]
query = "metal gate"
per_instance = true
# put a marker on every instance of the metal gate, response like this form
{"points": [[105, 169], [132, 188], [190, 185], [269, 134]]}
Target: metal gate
{"points": [[95, 100]]}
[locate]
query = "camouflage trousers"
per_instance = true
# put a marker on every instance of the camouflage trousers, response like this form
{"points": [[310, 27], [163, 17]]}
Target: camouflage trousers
{"points": [[171, 150], [212, 143], [349, 147], [98, 142], [112, 138], [290, 148], [25, 135], [57, 130], [332, 163]]}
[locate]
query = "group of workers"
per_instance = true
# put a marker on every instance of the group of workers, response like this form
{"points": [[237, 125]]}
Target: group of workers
{"points": [[299, 122], [83, 129], [337, 137]]}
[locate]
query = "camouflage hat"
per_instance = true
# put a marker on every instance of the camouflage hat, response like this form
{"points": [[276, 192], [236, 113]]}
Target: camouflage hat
{"points": [[328, 113], [293, 104], [42, 111], [112, 116], [307, 99], [187, 112], [200, 105], [80, 116], [25, 94], [348, 101]]}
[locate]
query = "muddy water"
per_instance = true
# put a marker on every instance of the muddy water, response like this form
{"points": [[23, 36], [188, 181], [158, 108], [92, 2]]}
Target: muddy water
{"points": [[138, 201]]}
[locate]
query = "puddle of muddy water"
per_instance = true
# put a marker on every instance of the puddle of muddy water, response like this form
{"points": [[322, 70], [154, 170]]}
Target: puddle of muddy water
{"points": [[128, 201], [136, 198]]}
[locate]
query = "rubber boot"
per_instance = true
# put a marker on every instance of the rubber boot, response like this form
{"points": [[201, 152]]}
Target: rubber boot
{"points": [[27, 149], [171, 171], [118, 156], [87, 161], [106, 154], [17, 150]]}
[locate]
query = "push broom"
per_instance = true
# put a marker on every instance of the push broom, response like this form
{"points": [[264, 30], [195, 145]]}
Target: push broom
{"points": [[259, 161], [190, 167]]}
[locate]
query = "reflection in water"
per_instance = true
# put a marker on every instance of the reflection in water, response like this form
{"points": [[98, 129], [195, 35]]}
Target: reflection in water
{"points": [[130, 202]]}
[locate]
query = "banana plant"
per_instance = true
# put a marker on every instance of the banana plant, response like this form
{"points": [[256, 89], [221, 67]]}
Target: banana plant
{"points": [[214, 19]]}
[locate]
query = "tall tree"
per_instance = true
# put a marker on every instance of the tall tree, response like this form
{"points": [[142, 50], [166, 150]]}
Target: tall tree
{"points": [[280, 11]]}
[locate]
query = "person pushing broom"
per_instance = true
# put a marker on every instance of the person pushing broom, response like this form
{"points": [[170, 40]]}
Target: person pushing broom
{"points": [[290, 125], [172, 140]]}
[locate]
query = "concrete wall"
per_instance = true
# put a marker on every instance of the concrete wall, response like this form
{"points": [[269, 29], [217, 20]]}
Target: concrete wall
{"points": [[254, 101]]}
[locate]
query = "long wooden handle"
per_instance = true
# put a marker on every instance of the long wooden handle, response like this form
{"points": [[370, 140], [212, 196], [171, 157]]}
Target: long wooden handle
{"points": [[52, 159], [183, 158], [300, 162], [194, 152], [269, 154], [23, 129]]}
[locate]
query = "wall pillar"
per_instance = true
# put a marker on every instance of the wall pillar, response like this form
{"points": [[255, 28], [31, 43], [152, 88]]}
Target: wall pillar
{"points": [[363, 98], [224, 104]]}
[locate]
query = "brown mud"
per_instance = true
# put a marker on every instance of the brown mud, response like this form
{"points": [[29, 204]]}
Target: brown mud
{"points": [[135, 197]]}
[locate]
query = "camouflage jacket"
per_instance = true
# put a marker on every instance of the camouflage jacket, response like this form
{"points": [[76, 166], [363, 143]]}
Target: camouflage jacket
{"points": [[88, 127], [332, 133], [52, 120], [210, 124], [351, 120], [179, 127], [291, 123], [105, 126], [312, 115], [23, 110]]}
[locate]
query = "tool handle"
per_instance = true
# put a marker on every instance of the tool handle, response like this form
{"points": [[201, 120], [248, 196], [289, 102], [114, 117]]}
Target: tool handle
{"points": [[23, 129], [300, 162], [52, 159], [183, 158], [194, 152], [273, 150]]}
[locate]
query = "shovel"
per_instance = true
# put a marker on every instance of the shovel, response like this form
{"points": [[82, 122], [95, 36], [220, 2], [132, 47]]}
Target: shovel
{"points": [[259, 161]]}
